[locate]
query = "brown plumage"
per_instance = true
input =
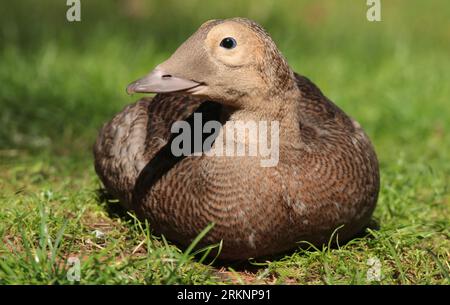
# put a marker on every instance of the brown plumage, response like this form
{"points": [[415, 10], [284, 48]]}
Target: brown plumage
{"points": [[327, 174]]}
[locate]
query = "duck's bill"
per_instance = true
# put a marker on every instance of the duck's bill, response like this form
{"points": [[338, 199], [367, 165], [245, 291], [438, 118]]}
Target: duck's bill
{"points": [[159, 81]]}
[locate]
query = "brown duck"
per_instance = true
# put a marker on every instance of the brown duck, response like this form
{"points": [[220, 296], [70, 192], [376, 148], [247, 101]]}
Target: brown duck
{"points": [[230, 70]]}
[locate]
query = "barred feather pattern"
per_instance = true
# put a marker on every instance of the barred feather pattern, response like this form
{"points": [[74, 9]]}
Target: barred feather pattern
{"points": [[330, 178]]}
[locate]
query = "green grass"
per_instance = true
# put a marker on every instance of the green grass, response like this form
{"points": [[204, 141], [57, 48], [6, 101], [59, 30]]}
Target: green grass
{"points": [[60, 81]]}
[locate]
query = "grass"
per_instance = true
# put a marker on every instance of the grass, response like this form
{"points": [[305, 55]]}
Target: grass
{"points": [[60, 81]]}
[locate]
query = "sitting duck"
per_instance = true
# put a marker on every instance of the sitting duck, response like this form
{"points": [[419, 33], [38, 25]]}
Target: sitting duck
{"points": [[326, 177]]}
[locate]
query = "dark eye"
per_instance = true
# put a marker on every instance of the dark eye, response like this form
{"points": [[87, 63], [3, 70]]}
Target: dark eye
{"points": [[228, 43]]}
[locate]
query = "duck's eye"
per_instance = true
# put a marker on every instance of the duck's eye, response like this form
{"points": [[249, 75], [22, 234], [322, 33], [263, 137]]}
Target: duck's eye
{"points": [[228, 43]]}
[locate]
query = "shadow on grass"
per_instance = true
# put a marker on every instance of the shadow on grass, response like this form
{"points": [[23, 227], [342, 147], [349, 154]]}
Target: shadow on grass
{"points": [[112, 206]]}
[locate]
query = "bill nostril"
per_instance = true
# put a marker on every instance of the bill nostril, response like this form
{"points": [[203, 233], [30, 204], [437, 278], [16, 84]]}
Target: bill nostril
{"points": [[166, 76]]}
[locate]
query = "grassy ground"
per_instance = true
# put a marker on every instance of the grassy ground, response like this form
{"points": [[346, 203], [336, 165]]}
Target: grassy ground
{"points": [[60, 81]]}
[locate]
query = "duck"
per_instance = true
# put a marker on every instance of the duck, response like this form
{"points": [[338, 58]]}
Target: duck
{"points": [[326, 179]]}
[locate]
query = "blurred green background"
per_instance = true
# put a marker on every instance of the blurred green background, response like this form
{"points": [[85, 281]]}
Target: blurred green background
{"points": [[60, 81]]}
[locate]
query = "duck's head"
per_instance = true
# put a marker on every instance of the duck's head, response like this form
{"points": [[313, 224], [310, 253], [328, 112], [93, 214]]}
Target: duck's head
{"points": [[225, 61]]}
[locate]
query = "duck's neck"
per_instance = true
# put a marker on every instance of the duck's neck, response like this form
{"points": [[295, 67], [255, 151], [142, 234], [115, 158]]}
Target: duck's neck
{"points": [[281, 108]]}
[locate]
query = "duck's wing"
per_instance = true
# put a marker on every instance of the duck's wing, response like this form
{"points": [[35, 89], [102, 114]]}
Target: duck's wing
{"points": [[134, 136], [317, 109]]}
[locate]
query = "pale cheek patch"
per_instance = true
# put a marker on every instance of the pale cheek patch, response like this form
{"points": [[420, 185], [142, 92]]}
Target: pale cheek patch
{"points": [[232, 57], [247, 49]]}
